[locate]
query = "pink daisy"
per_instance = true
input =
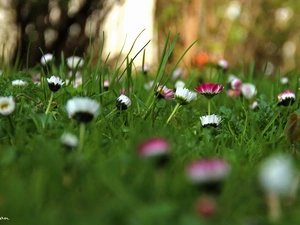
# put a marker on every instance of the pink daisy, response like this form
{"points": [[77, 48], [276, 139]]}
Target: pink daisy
{"points": [[153, 147], [209, 90], [286, 98]]}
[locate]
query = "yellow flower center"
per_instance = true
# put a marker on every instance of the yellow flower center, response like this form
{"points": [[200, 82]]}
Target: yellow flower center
{"points": [[4, 105]]}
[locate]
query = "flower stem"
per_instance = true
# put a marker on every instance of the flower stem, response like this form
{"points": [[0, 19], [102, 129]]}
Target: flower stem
{"points": [[50, 102], [274, 206], [173, 113], [81, 136], [12, 129], [208, 110]]}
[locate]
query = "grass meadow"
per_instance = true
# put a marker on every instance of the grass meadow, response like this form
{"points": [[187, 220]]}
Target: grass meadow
{"points": [[103, 179]]}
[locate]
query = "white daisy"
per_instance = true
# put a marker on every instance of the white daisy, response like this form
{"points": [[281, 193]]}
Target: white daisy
{"points": [[19, 83], [82, 109], [55, 83], [7, 105], [46, 59], [123, 102], [69, 140], [75, 61], [277, 173], [248, 90], [184, 96], [212, 120], [179, 83]]}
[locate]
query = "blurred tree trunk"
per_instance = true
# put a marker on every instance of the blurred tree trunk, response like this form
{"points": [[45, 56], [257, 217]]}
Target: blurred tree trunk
{"points": [[122, 24], [191, 26], [8, 30]]}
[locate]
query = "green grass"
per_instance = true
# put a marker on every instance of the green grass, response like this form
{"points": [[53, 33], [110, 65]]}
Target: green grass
{"points": [[107, 183]]}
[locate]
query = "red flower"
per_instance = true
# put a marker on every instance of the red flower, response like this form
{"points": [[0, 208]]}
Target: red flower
{"points": [[209, 90]]}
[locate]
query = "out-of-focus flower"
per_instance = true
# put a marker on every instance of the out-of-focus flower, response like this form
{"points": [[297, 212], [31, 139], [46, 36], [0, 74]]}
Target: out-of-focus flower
{"points": [[233, 10], [179, 83], [164, 92], [55, 83], [82, 109], [208, 170], [178, 73], [7, 105], [19, 83], [155, 148], [123, 102], [209, 90], [286, 98], [201, 58], [276, 174], [236, 84], [144, 69], [148, 85], [223, 64], [69, 140], [248, 90], [233, 93], [74, 62], [106, 84], [254, 105], [284, 80], [206, 206], [210, 120], [184, 96], [208, 173], [47, 58]]}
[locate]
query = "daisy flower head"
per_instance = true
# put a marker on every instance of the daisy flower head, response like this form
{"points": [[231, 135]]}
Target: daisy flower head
{"points": [[19, 83], [286, 98], [179, 83], [233, 93], [177, 74], [208, 173], [7, 105], [55, 83], [248, 90], [163, 92], [155, 148], [276, 174], [148, 85], [209, 90], [106, 85], [82, 109], [253, 105], [184, 96], [223, 64], [284, 80], [206, 206], [235, 84], [210, 120], [69, 140], [47, 58], [201, 59], [74, 61], [123, 102], [144, 69]]}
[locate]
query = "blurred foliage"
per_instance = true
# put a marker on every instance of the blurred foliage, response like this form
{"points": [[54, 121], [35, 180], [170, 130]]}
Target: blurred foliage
{"points": [[237, 30], [259, 30]]}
